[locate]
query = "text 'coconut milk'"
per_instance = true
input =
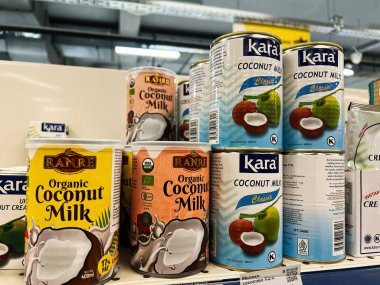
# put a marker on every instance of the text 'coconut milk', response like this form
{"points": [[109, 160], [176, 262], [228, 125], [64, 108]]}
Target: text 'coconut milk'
{"points": [[151, 104], [183, 96], [246, 210], [199, 100], [313, 97], [12, 218], [314, 207], [170, 208], [73, 199], [246, 91]]}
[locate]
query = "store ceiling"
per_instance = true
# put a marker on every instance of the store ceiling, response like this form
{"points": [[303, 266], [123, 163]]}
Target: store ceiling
{"points": [[78, 34]]}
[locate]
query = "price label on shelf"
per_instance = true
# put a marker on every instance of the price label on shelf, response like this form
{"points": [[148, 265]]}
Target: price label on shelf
{"points": [[289, 275]]}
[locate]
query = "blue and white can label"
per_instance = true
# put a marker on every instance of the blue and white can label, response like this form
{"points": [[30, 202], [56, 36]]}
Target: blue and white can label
{"points": [[313, 98], [246, 92], [314, 217], [246, 210]]}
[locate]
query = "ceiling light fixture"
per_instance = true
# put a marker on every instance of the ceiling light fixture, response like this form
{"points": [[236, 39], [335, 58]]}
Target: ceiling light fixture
{"points": [[356, 56], [180, 49], [147, 52], [348, 71]]}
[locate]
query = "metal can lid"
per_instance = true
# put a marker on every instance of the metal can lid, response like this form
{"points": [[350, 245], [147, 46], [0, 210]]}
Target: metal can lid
{"points": [[242, 34], [183, 82], [313, 44], [175, 144], [194, 64], [152, 69]]}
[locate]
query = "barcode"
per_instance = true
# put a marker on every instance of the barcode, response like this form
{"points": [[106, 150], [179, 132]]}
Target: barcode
{"points": [[214, 126], [292, 274], [194, 130], [338, 236]]}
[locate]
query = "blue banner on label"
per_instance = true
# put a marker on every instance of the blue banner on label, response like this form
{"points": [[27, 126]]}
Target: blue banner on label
{"points": [[255, 199], [316, 88], [260, 81]]}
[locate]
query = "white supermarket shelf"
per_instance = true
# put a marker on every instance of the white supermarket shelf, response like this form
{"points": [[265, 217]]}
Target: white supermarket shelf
{"points": [[213, 273]]}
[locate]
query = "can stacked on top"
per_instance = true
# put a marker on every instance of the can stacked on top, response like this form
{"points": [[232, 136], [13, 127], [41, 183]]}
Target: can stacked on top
{"points": [[314, 145], [245, 130]]}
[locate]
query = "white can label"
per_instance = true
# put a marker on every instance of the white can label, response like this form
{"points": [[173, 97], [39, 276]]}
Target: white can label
{"points": [[314, 207], [246, 89], [199, 102], [246, 210]]}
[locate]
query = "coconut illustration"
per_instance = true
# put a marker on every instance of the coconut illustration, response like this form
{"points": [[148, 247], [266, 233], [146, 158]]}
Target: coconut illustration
{"points": [[270, 105], [151, 127], [185, 247], [63, 256], [311, 127], [181, 246], [238, 227], [297, 115], [326, 108], [255, 123], [242, 108], [4, 253], [252, 242]]}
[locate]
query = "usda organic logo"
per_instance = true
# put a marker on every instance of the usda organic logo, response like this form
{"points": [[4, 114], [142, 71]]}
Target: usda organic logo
{"points": [[148, 165]]}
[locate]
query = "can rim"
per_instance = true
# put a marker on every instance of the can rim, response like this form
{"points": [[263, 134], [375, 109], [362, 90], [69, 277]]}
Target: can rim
{"points": [[171, 144], [151, 68], [242, 33], [194, 64], [76, 141], [183, 81], [297, 46]]}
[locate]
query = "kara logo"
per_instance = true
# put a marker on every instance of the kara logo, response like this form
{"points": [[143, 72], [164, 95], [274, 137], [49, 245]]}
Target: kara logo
{"points": [[13, 184], [318, 56], [191, 162], [186, 89], [69, 162], [157, 79], [258, 163], [261, 47], [52, 127]]}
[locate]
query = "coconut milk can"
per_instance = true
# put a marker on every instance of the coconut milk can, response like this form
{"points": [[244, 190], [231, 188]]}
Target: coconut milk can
{"points": [[73, 199], [170, 208], [246, 92], [151, 104], [313, 98], [314, 197], [246, 210]]}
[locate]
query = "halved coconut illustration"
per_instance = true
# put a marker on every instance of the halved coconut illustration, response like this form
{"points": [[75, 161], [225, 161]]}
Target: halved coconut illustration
{"points": [[185, 247], [63, 256], [311, 127], [152, 127], [255, 123], [4, 253], [252, 242]]}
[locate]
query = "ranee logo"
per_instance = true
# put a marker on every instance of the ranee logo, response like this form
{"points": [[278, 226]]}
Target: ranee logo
{"points": [[157, 79], [69, 162], [258, 163], [191, 162], [318, 56]]}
